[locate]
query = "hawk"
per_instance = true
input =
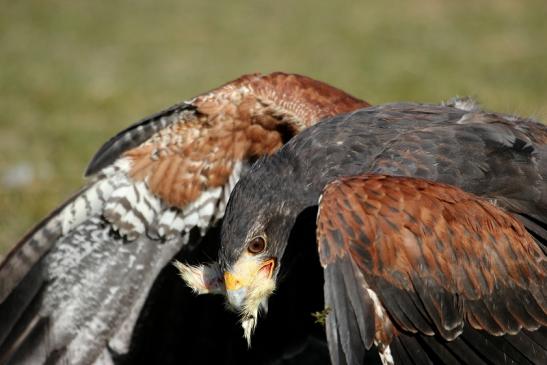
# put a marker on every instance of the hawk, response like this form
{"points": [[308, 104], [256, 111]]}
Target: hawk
{"points": [[73, 288], [430, 229]]}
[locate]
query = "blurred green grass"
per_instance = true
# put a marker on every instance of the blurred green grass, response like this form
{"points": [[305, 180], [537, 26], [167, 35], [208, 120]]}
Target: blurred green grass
{"points": [[73, 73]]}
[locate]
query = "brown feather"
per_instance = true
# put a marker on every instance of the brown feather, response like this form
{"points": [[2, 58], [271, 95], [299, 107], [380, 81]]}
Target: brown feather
{"points": [[250, 116], [457, 252]]}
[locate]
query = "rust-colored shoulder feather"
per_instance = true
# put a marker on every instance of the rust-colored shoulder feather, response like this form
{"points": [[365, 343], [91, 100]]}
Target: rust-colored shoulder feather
{"points": [[433, 259], [250, 116]]}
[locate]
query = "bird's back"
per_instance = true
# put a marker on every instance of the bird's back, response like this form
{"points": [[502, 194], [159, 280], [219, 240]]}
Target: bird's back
{"points": [[500, 158], [496, 156]]}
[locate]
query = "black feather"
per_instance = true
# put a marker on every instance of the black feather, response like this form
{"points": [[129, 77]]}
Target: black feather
{"points": [[348, 331], [438, 352], [483, 316], [399, 353], [335, 347], [404, 306], [361, 303], [20, 299], [539, 336], [134, 135], [408, 348], [497, 349]]}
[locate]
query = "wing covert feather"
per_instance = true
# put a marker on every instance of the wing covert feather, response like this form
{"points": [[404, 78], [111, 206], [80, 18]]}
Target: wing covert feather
{"points": [[438, 259]]}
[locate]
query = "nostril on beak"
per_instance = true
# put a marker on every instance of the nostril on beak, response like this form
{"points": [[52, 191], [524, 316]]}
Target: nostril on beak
{"points": [[231, 282]]}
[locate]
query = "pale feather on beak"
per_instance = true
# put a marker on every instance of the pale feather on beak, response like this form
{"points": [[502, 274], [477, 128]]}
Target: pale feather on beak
{"points": [[248, 285]]}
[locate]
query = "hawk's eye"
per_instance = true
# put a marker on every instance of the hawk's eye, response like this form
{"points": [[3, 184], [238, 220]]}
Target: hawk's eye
{"points": [[257, 245]]}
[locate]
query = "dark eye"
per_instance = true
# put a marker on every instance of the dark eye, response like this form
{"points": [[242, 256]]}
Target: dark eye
{"points": [[257, 245]]}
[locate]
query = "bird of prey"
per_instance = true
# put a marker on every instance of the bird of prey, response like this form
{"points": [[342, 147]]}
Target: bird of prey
{"points": [[431, 229], [73, 288]]}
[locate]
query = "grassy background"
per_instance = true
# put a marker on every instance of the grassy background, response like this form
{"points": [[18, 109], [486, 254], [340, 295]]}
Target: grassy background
{"points": [[72, 73]]}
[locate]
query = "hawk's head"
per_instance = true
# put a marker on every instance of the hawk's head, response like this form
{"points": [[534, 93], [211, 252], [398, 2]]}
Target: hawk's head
{"points": [[255, 231]]}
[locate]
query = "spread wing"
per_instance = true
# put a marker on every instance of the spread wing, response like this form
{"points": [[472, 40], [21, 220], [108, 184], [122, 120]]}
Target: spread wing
{"points": [[428, 273], [73, 288]]}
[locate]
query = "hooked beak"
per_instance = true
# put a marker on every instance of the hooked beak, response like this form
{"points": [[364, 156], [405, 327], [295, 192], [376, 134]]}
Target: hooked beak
{"points": [[248, 285], [246, 276], [236, 290]]}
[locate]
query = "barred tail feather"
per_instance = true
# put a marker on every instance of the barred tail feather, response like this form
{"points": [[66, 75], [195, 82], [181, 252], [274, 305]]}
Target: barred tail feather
{"points": [[28, 251], [92, 290]]}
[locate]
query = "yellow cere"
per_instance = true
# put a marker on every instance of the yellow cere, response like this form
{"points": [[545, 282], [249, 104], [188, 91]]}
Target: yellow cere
{"points": [[246, 270]]}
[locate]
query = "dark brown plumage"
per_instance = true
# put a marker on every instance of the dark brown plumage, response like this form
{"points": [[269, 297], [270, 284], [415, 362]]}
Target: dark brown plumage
{"points": [[435, 257], [416, 271]]}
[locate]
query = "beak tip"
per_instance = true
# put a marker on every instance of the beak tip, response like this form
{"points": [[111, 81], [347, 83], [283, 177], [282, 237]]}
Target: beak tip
{"points": [[236, 298]]}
